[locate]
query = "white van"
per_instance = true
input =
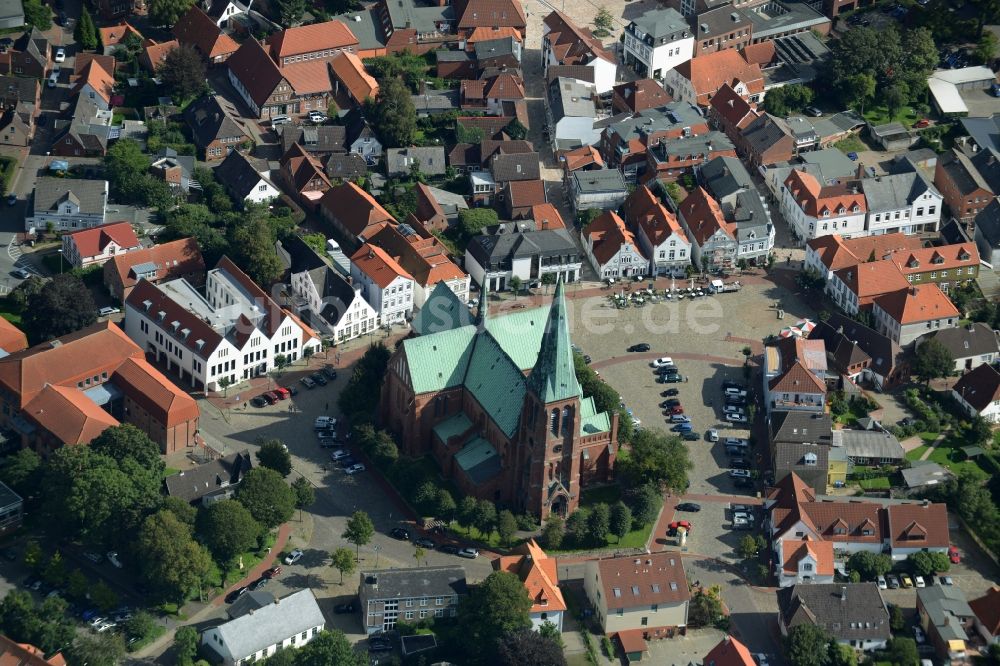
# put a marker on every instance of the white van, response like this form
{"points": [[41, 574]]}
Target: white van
{"points": [[280, 120], [54, 78]]}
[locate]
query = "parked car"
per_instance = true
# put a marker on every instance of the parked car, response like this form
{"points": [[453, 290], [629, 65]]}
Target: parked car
{"points": [[690, 436], [945, 580], [641, 347], [258, 401], [892, 581], [308, 383], [682, 427], [670, 402], [349, 607], [680, 418], [663, 362], [918, 634], [318, 378], [905, 580], [424, 542], [328, 442], [354, 469], [670, 379], [954, 555], [690, 507], [317, 117], [20, 273], [294, 556], [732, 409], [12, 198], [919, 581], [330, 372], [280, 120], [236, 594], [853, 156], [882, 584], [339, 454], [259, 583], [60, 55], [448, 549], [282, 393], [273, 572], [676, 525], [739, 473], [469, 553], [813, 111], [922, 123], [107, 311], [737, 391], [113, 558], [107, 625], [96, 558], [324, 423], [670, 392], [676, 409], [739, 463], [736, 418], [712, 435], [399, 533]]}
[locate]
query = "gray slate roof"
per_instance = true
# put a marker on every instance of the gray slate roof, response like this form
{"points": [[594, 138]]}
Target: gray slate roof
{"points": [[662, 23], [724, 177], [400, 160], [672, 116], [869, 444], [885, 353], [494, 249], [597, 181], [364, 24], [894, 192], [90, 194], [212, 117], [975, 339], [442, 311], [495, 48], [925, 473], [569, 97], [272, 624], [832, 163], [443, 581], [947, 609], [800, 428], [984, 131], [765, 131], [248, 603], [843, 610], [346, 166], [515, 166], [193, 484], [319, 139], [988, 223], [240, 174]]}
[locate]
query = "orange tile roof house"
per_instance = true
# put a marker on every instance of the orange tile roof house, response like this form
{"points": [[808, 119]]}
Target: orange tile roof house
{"points": [[814, 209], [154, 54], [827, 254], [96, 84], [731, 112], [648, 593], [272, 90], [729, 652], [806, 560], [319, 41], [473, 14], [67, 391], [12, 339], [168, 261], [197, 29], [385, 285], [425, 258], [713, 239], [856, 287], [353, 212], [540, 576], [660, 235], [906, 314], [24, 654], [112, 35], [978, 392], [97, 245], [698, 80], [349, 76], [612, 249], [947, 265]]}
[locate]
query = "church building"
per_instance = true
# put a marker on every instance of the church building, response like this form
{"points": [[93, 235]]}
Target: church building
{"points": [[498, 405]]}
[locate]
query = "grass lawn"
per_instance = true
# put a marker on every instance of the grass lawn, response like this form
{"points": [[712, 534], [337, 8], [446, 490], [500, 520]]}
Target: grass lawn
{"points": [[607, 494], [916, 453], [10, 316], [878, 483], [851, 144], [493, 540], [929, 437], [170, 471], [156, 633], [879, 115], [951, 458], [8, 165]]}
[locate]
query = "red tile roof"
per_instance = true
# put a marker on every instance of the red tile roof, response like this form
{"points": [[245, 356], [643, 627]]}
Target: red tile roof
{"points": [[704, 217], [794, 551], [377, 265], [872, 279], [95, 240], [197, 29], [736, 110], [12, 339], [356, 209], [350, 71], [607, 233], [114, 34], [571, 44], [68, 414], [940, 258], [918, 525], [980, 387], [81, 61], [526, 193], [857, 522], [642, 208], [426, 259], [836, 252], [918, 303], [582, 157], [487, 33], [173, 260], [102, 81], [254, 68], [546, 216], [308, 78], [638, 96], [760, 54], [709, 72], [505, 86], [643, 580], [987, 609], [729, 652], [490, 13], [797, 379], [24, 654], [632, 641], [155, 54], [538, 573], [155, 393], [329, 35], [816, 199]]}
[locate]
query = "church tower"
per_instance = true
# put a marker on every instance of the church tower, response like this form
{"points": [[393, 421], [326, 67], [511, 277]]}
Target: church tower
{"points": [[550, 423]]}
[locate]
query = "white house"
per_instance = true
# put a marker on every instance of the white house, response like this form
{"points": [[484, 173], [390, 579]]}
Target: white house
{"points": [[815, 210], [612, 248], [565, 43], [647, 593], [494, 260], [246, 179], [234, 332], [806, 560], [660, 235], [384, 284], [96, 245], [325, 299], [658, 41], [572, 113], [978, 392], [289, 622], [67, 204], [903, 202]]}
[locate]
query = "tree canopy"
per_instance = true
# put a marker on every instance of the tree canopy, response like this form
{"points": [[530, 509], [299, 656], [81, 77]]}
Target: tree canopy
{"points": [[290, 11], [127, 441], [127, 166], [869, 565], [495, 608], [808, 645], [932, 360], [266, 496], [227, 529], [168, 12], [63, 305], [172, 560], [658, 459], [273, 454], [789, 99], [359, 399], [85, 32], [525, 646], [472, 221], [183, 72], [359, 530], [393, 115], [46, 626]]}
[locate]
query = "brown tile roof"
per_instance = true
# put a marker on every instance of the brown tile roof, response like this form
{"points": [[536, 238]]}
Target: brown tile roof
{"points": [[155, 54], [356, 209], [91, 242], [158, 301], [68, 414], [301, 168], [581, 157], [644, 209], [918, 525], [643, 580], [704, 217], [816, 199], [81, 61], [350, 71], [836, 252], [197, 29], [473, 89], [102, 81], [12, 339], [709, 72], [572, 44], [379, 266], [797, 379], [941, 258], [607, 233], [821, 551], [426, 259], [490, 13], [736, 110], [254, 68], [114, 34], [538, 573], [872, 279], [308, 78], [643, 94], [760, 54], [546, 216], [25, 654], [979, 387], [729, 652], [632, 640], [324, 36], [492, 127], [917, 303], [486, 34], [526, 193], [987, 609], [173, 260], [846, 521], [155, 393], [505, 86]]}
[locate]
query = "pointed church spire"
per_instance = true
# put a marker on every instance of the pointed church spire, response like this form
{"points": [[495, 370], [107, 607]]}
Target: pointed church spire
{"points": [[554, 376], [484, 309]]}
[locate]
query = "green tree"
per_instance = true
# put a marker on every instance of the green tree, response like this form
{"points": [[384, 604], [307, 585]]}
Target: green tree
{"points": [[923, 563], [107, 649], [273, 454], [419, 554], [486, 517], [467, 512], [472, 221], [126, 441], [183, 72], [645, 501], [986, 48], [330, 647], [576, 526], [897, 621], [168, 12], [604, 21], [103, 596], [506, 526], [808, 645], [77, 584], [515, 284], [657, 458], [932, 360], [869, 565], [902, 651], [33, 554], [516, 130], [182, 509], [705, 608], [446, 506], [393, 116], [172, 561], [186, 645], [859, 89], [141, 625], [126, 165], [599, 523], [842, 655], [64, 305], [359, 530], [54, 572], [227, 529], [553, 532], [495, 608], [343, 561], [747, 547], [38, 15], [621, 520], [895, 98], [85, 32], [266, 495], [305, 494], [252, 242], [22, 471], [290, 12], [529, 647], [359, 399]]}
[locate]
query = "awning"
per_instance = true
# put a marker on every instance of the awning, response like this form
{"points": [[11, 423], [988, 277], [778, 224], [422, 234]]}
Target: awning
{"points": [[104, 393]]}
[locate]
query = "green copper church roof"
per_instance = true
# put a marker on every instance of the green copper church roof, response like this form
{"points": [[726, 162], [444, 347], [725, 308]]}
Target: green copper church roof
{"points": [[554, 376], [456, 425], [496, 383], [439, 361], [520, 334], [442, 311]]}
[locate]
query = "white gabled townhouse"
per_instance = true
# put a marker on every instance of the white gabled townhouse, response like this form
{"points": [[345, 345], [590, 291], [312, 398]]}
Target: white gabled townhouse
{"points": [[384, 284], [813, 210], [901, 203]]}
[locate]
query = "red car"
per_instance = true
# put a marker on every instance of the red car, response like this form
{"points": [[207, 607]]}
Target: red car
{"points": [[920, 124], [674, 526], [676, 410], [273, 572], [954, 555], [281, 393]]}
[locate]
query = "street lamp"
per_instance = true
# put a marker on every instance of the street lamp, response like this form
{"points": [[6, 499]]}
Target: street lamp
{"points": [[60, 261], [376, 548]]}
